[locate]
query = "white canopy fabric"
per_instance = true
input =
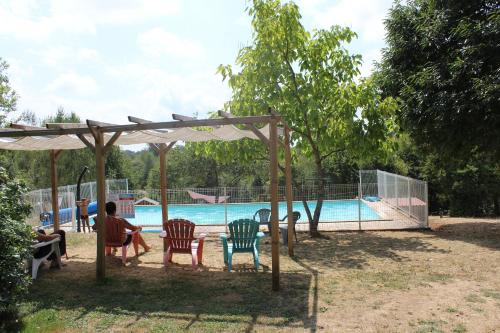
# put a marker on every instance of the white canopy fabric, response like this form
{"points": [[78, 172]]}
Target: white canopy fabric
{"points": [[185, 134]]}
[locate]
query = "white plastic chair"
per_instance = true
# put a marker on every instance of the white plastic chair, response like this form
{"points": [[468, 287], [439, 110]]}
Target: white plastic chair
{"points": [[38, 261]]}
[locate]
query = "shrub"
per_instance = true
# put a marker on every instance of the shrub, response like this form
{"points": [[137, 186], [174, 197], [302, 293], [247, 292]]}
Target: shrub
{"points": [[15, 242]]}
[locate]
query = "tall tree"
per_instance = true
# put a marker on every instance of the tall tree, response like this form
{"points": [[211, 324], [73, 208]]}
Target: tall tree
{"points": [[8, 97], [443, 61], [313, 82]]}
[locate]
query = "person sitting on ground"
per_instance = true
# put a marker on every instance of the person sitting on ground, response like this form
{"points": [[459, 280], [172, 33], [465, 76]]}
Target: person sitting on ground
{"points": [[84, 212], [40, 236], [112, 218]]}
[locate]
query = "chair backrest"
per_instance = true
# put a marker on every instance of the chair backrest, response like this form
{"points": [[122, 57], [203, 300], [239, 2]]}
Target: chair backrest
{"points": [[115, 229], [264, 215], [296, 216], [243, 233], [180, 233]]}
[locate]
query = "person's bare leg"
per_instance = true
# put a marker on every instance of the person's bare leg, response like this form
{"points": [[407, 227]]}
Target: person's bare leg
{"points": [[88, 224], [146, 247], [135, 243]]}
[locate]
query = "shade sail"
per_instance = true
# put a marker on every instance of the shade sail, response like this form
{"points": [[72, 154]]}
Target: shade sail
{"points": [[185, 134]]}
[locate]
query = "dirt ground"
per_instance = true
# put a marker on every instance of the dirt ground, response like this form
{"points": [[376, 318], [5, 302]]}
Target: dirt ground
{"points": [[442, 280]]}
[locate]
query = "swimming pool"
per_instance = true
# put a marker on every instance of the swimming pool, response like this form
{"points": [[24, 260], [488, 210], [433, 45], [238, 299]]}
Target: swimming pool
{"points": [[333, 210]]}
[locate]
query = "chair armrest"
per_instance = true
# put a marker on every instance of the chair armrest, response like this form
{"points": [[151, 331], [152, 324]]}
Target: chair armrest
{"points": [[132, 232], [42, 244], [223, 236], [163, 234], [260, 234], [201, 236], [283, 219]]}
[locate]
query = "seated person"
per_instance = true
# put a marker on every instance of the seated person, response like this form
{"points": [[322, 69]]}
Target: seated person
{"points": [[112, 218], [84, 212], [40, 236]]}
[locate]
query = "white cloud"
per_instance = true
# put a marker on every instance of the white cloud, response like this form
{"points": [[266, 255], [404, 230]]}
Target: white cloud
{"points": [[157, 93], [365, 17], [368, 61], [158, 42], [25, 19], [72, 83], [63, 56]]}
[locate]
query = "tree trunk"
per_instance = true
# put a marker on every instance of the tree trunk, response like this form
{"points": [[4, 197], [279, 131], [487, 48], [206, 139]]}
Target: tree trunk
{"points": [[313, 223]]}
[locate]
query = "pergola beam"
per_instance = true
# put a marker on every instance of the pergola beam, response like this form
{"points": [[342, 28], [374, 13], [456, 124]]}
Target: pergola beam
{"points": [[273, 166], [162, 150], [288, 190], [140, 127], [100, 155], [25, 127], [181, 117], [65, 125], [250, 127], [111, 141], [54, 155], [86, 142]]}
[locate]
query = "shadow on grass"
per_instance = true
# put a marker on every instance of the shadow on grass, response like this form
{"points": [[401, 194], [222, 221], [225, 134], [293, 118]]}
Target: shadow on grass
{"points": [[355, 249], [193, 299], [485, 234]]}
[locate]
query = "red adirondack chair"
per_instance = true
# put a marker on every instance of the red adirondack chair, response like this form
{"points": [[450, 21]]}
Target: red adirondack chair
{"points": [[115, 231], [179, 235]]}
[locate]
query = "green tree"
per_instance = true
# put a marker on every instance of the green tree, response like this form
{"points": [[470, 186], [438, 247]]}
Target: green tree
{"points": [[313, 82], [8, 97], [16, 243], [442, 62]]}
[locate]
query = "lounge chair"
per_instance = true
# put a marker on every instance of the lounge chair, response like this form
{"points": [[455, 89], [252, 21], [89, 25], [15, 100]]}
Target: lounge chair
{"points": [[244, 237], [54, 248], [179, 235]]}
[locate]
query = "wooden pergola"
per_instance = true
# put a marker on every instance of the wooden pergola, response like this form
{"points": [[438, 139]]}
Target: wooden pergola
{"points": [[161, 136]]}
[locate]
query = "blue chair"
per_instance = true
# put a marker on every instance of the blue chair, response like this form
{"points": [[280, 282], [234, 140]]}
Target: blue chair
{"points": [[244, 237]]}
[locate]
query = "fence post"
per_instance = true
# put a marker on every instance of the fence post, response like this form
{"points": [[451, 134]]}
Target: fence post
{"points": [[225, 207], [90, 192], [126, 185], [396, 191], [42, 207], [426, 196], [360, 193], [107, 189], [71, 204], [385, 185], [409, 196]]}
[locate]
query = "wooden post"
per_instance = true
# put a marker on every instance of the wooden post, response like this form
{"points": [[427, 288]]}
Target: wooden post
{"points": [[163, 189], [53, 182], [273, 165], [289, 193], [100, 153]]}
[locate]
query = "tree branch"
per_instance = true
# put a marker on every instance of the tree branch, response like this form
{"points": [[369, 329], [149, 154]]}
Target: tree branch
{"points": [[323, 157]]}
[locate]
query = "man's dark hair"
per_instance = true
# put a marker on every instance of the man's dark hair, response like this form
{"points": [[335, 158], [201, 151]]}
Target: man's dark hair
{"points": [[110, 208]]}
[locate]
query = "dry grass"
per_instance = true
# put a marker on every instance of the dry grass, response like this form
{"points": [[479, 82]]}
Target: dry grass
{"points": [[446, 280]]}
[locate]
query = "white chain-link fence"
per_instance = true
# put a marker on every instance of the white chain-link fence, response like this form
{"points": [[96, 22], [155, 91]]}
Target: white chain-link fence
{"points": [[367, 205], [41, 201], [380, 200]]}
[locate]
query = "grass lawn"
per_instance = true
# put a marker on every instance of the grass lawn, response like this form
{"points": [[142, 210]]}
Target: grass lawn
{"points": [[445, 280]]}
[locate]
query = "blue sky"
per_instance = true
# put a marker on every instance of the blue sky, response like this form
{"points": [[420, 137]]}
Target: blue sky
{"points": [[109, 59]]}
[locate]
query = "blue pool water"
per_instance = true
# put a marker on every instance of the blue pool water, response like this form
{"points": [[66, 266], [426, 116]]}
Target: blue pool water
{"points": [[333, 210]]}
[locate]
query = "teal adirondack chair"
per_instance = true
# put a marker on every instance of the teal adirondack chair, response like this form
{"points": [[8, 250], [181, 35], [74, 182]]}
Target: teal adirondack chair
{"points": [[244, 237]]}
